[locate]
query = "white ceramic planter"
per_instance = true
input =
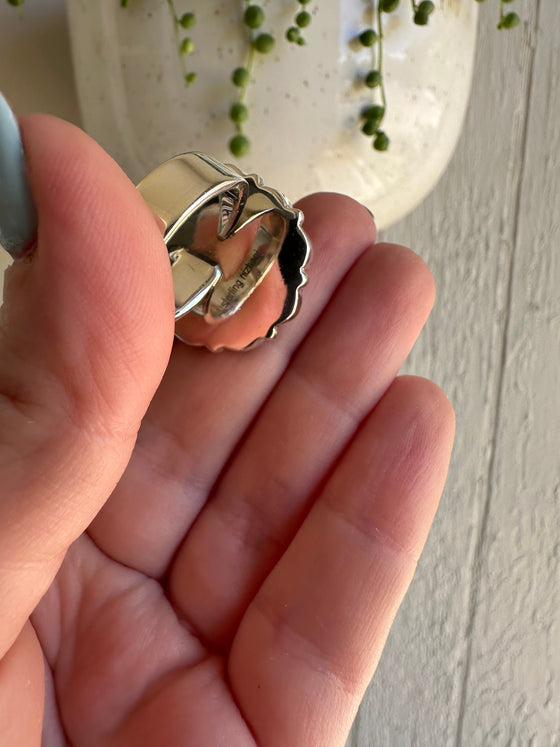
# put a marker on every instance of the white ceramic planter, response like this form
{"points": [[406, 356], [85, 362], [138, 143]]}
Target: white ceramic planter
{"points": [[304, 103]]}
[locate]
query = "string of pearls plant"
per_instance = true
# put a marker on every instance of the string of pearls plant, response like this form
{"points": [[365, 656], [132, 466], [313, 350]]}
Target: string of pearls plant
{"points": [[373, 115], [262, 42], [259, 43]]}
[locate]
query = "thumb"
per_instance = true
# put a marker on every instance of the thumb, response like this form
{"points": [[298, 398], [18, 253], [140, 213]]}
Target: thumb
{"points": [[85, 335]]}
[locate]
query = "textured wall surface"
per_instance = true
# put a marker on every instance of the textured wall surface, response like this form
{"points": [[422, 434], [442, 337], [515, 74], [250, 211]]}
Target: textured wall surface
{"points": [[474, 657]]}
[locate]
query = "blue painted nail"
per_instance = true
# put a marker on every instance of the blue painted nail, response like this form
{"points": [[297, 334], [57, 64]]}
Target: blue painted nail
{"points": [[18, 219]]}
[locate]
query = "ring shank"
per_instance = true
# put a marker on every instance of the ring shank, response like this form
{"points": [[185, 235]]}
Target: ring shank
{"points": [[225, 232]]}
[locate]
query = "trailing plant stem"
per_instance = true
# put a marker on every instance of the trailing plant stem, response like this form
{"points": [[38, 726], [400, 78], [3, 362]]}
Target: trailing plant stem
{"points": [[249, 66], [177, 32], [184, 45], [380, 56]]}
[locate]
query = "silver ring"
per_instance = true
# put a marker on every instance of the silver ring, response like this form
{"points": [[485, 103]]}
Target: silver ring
{"points": [[237, 251]]}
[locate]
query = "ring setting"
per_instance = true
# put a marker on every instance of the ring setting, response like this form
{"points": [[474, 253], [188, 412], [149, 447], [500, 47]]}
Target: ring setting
{"points": [[237, 251]]}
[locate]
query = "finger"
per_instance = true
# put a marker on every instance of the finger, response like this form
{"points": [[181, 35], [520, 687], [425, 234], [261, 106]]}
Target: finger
{"points": [[338, 375], [85, 334], [22, 691], [311, 639], [207, 401]]}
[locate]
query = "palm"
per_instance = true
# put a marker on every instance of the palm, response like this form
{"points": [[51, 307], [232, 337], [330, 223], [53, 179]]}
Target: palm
{"points": [[238, 585]]}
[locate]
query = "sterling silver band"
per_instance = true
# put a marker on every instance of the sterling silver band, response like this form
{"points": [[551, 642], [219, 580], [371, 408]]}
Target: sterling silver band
{"points": [[227, 236]]}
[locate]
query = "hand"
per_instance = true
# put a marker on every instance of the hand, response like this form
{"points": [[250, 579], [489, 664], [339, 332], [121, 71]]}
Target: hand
{"points": [[201, 550]]}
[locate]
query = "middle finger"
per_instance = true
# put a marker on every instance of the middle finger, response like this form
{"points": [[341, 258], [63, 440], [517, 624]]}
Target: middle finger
{"points": [[335, 379]]}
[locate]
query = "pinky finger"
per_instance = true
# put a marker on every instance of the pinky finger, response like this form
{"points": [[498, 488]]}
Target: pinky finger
{"points": [[311, 639]]}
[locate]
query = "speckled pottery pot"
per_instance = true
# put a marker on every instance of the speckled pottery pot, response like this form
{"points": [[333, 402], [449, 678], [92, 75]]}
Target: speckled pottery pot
{"points": [[305, 101]]}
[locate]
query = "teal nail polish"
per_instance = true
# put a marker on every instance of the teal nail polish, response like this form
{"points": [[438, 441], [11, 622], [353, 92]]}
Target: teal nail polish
{"points": [[18, 220]]}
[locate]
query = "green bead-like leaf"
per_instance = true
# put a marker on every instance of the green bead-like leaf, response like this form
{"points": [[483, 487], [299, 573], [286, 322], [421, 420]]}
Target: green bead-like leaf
{"points": [[303, 19], [293, 34], [239, 146], [239, 113], [510, 21], [187, 46], [421, 19], [254, 16], [369, 128], [388, 6], [374, 113], [187, 20], [373, 79], [240, 77], [381, 141], [368, 37], [264, 43], [426, 6]]}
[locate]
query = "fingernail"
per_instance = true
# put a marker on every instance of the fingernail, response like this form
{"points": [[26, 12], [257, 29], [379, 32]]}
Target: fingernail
{"points": [[18, 219]]}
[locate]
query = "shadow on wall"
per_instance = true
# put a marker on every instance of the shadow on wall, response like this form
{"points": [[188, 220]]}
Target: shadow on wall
{"points": [[36, 72]]}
